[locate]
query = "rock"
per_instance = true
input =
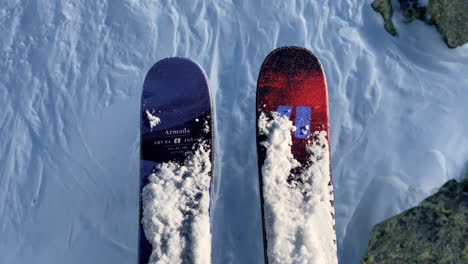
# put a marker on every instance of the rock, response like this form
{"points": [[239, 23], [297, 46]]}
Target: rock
{"points": [[435, 231], [451, 18], [384, 7], [412, 10]]}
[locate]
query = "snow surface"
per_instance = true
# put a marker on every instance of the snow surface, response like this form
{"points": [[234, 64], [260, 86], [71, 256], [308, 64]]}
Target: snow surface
{"points": [[299, 214], [72, 75], [176, 218], [153, 120]]}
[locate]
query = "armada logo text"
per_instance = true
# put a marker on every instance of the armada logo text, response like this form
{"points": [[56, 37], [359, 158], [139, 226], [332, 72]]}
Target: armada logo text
{"points": [[177, 131]]}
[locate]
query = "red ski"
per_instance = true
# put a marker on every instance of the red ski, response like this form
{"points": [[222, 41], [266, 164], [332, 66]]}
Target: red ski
{"points": [[293, 139]]}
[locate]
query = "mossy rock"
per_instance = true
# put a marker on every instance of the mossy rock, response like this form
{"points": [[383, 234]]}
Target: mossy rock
{"points": [[412, 10], [436, 231], [451, 17], [384, 7]]}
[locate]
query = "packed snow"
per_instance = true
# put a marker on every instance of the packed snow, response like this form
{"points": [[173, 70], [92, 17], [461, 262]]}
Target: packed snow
{"points": [[153, 120], [206, 127], [176, 204], [70, 91], [299, 214]]}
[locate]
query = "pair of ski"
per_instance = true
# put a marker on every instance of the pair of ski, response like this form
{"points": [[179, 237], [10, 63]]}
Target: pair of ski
{"points": [[176, 172]]}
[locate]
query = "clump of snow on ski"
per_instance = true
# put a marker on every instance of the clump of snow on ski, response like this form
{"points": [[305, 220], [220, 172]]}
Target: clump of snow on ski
{"points": [[206, 127], [298, 213], [176, 205], [153, 120]]}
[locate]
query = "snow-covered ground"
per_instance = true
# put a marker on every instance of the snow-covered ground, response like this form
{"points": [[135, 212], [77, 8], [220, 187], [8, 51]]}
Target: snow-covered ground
{"points": [[70, 88]]}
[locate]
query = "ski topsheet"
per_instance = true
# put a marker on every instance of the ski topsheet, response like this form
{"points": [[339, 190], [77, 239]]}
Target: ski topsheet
{"points": [[176, 164], [294, 159]]}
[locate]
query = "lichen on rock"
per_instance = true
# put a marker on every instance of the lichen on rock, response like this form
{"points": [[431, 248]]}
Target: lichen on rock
{"points": [[435, 231], [451, 18], [412, 10], [384, 7]]}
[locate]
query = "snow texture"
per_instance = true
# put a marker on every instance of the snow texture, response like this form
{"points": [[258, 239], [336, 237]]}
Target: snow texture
{"points": [[70, 89], [299, 214], [176, 204], [153, 120]]}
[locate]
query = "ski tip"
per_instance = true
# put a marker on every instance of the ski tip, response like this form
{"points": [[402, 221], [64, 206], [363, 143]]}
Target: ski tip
{"points": [[176, 60], [292, 57], [177, 68], [177, 64]]}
